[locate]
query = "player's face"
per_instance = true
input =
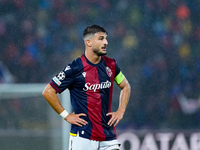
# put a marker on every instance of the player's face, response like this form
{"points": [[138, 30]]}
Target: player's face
{"points": [[99, 43]]}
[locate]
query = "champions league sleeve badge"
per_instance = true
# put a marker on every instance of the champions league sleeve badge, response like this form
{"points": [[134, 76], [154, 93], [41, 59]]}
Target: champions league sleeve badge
{"points": [[61, 76], [109, 71]]}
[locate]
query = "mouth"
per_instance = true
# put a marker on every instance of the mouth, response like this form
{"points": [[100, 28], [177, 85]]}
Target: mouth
{"points": [[104, 48]]}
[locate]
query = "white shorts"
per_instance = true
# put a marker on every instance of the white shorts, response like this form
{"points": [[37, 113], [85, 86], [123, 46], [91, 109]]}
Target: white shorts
{"points": [[79, 143]]}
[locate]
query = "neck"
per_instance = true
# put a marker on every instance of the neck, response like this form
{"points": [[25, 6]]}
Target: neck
{"points": [[92, 57]]}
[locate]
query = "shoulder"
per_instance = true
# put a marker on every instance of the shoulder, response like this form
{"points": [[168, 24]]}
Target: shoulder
{"points": [[76, 65], [111, 63], [108, 60]]}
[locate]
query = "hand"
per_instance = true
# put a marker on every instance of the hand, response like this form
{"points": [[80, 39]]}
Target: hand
{"points": [[115, 118], [75, 119]]}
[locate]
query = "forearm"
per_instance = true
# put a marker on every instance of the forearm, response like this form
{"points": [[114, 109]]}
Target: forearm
{"points": [[124, 97], [51, 96], [123, 101]]}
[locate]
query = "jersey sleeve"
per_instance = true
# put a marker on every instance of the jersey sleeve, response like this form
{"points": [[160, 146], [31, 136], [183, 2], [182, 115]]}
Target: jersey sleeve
{"points": [[63, 80], [119, 77]]}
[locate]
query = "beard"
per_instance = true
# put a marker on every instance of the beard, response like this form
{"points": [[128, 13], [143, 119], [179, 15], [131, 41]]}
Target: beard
{"points": [[97, 51]]}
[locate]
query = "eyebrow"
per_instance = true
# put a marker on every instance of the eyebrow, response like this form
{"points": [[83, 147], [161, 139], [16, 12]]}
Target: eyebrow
{"points": [[101, 36]]}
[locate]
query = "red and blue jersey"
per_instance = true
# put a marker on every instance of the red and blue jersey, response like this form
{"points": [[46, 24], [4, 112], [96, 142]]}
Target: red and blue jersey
{"points": [[91, 88]]}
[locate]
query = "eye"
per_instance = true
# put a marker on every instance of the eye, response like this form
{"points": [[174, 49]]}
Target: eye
{"points": [[101, 38]]}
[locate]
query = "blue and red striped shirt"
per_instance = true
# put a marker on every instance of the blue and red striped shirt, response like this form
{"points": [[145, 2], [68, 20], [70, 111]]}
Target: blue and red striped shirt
{"points": [[91, 87]]}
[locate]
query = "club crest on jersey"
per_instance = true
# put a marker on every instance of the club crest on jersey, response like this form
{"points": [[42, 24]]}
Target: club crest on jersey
{"points": [[61, 76], [109, 71]]}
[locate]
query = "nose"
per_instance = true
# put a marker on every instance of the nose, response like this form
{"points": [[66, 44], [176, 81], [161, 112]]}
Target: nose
{"points": [[106, 42]]}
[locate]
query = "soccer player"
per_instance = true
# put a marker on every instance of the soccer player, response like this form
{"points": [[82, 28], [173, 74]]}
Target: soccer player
{"points": [[90, 80]]}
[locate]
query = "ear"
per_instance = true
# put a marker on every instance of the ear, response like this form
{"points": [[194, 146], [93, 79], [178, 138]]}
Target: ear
{"points": [[88, 43]]}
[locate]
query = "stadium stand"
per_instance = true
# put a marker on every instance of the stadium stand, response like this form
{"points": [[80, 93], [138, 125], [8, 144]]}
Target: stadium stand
{"points": [[156, 43]]}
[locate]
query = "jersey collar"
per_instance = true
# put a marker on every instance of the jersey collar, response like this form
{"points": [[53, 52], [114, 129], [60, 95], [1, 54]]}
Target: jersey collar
{"points": [[90, 62]]}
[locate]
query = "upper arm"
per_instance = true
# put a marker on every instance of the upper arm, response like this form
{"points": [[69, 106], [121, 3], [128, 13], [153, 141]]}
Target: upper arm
{"points": [[124, 84], [63, 80], [49, 90]]}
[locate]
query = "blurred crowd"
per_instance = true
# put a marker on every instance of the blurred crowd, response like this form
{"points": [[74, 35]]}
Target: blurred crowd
{"points": [[155, 42]]}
